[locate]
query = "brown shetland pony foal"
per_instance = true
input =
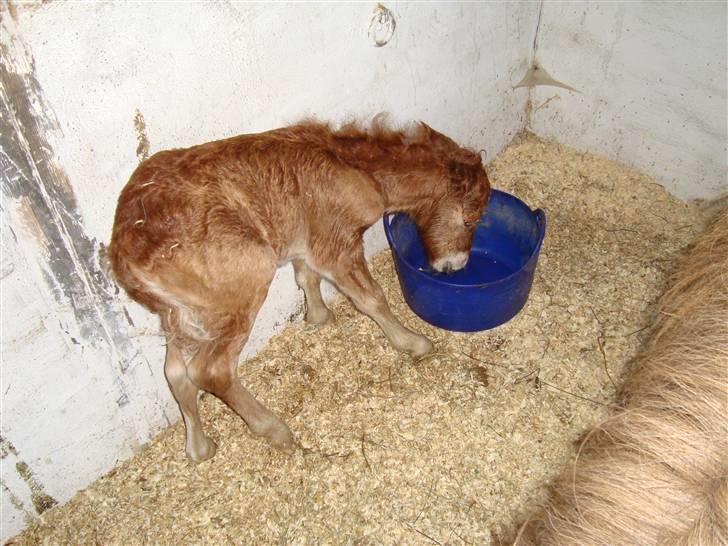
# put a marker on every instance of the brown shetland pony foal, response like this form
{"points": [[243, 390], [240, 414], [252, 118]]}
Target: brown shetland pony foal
{"points": [[199, 233]]}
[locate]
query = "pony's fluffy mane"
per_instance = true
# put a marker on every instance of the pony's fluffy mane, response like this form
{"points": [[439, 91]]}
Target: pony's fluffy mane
{"points": [[362, 145], [379, 129]]}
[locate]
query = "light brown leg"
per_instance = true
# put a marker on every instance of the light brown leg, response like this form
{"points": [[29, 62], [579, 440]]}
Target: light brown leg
{"points": [[310, 282], [218, 332], [355, 280], [198, 446], [214, 369]]}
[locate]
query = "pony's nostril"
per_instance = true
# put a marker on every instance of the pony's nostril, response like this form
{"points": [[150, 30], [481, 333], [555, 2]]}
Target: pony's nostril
{"points": [[448, 267]]}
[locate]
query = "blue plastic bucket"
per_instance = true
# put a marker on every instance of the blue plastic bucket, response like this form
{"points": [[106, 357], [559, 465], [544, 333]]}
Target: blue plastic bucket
{"points": [[494, 285]]}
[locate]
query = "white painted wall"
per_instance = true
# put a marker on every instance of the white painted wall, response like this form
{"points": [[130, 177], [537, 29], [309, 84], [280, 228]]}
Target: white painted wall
{"points": [[75, 404], [652, 82]]}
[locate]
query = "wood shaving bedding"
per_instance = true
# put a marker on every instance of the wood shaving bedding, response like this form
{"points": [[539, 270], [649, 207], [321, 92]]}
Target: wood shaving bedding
{"points": [[397, 451]]}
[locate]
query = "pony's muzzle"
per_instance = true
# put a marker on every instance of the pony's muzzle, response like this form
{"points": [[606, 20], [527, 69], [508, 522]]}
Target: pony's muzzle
{"points": [[451, 262]]}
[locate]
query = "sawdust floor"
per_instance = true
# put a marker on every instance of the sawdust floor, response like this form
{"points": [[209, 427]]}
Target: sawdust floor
{"points": [[440, 450]]}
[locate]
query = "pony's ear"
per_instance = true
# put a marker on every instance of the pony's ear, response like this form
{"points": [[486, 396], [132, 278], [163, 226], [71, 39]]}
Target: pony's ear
{"points": [[448, 147], [416, 134], [426, 130], [437, 140]]}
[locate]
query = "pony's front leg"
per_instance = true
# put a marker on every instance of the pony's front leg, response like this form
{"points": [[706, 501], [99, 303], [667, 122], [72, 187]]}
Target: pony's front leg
{"points": [[351, 275]]}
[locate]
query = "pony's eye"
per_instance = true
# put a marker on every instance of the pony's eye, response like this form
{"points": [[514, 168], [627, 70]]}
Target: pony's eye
{"points": [[468, 223]]}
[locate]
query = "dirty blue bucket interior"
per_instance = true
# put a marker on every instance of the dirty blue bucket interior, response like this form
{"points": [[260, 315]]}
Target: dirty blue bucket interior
{"points": [[494, 285]]}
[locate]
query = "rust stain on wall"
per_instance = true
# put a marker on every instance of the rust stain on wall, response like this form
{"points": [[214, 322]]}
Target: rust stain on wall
{"points": [[140, 128]]}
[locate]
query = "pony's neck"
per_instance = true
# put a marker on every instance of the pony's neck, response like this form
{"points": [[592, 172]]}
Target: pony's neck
{"points": [[397, 167], [404, 192]]}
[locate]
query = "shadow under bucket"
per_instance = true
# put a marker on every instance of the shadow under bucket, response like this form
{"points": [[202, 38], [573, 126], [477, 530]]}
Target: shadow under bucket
{"points": [[494, 285]]}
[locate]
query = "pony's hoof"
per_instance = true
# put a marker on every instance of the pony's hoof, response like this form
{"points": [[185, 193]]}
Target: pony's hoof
{"points": [[202, 453], [283, 440], [421, 346], [319, 317]]}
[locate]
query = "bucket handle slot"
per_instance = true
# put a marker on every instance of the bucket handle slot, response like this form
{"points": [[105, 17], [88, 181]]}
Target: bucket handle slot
{"points": [[540, 217]]}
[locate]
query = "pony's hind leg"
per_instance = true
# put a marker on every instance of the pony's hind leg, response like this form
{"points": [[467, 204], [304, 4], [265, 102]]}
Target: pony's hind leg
{"points": [[214, 369], [215, 318], [310, 282], [197, 446]]}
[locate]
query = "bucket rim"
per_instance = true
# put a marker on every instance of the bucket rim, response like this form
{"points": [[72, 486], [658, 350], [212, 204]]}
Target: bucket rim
{"points": [[539, 218]]}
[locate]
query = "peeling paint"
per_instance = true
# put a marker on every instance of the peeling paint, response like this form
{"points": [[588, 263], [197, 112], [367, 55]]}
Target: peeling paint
{"points": [[41, 195], [41, 501], [16, 503], [30, 222], [6, 448]]}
